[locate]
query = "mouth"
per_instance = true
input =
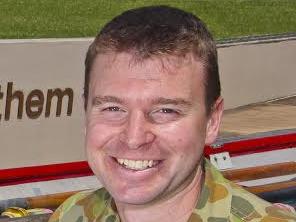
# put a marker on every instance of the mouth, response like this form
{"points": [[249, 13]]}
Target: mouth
{"points": [[137, 164]]}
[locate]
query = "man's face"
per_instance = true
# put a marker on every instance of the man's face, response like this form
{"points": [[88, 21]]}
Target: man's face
{"points": [[146, 124]]}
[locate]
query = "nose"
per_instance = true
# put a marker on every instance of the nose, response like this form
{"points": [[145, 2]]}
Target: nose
{"points": [[137, 131]]}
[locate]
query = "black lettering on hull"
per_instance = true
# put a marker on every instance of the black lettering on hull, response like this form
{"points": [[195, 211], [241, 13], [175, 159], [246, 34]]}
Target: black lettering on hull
{"points": [[35, 103]]}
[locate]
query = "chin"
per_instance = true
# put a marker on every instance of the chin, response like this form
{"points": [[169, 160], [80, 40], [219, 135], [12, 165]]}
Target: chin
{"points": [[135, 196], [134, 200]]}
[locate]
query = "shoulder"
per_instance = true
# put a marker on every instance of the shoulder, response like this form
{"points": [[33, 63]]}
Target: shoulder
{"points": [[229, 200], [83, 206], [248, 207]]}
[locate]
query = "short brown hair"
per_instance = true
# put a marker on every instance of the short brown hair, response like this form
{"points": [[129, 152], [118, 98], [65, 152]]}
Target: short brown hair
{"points": [[158, 30]]}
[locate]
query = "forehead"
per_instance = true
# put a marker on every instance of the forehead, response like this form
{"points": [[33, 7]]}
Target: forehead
{"points": [[115, 71], [117, 63]]}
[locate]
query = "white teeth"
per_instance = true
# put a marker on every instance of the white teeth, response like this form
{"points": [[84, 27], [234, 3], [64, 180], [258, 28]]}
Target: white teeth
{"points": [[135, 164], [131, 163], [139, 164], [150, 163]]}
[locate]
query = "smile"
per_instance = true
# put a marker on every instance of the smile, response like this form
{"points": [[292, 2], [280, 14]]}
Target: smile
{"points": [[137, 164]]}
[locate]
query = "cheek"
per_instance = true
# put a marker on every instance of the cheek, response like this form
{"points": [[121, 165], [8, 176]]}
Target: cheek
{"points": [[186, 145], [185, 136], [96, 136]]}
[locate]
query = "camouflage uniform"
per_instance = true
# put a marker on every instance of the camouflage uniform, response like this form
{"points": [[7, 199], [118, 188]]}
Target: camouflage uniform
{"points": [[220, 201]]}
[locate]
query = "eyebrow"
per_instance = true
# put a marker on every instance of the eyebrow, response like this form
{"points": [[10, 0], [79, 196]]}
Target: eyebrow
{"points": [[97, 100], [175, 101]]}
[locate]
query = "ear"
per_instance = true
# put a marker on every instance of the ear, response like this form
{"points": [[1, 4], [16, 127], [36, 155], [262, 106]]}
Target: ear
{"points": [[214, 121]]}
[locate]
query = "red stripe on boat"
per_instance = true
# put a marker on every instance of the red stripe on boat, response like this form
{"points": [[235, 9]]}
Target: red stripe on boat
{"points": [[256, 145], [44, 173]]}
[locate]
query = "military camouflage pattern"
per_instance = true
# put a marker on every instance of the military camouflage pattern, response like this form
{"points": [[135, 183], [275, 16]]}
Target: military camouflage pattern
{"points": [[220, 201]]}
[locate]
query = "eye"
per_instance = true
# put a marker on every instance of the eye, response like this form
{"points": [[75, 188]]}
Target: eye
{"points": [[112, 114], [112, 109], [167, 110], [164, 115]]}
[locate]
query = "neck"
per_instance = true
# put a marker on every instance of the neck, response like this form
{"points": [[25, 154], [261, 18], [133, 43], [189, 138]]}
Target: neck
{"points": [[177, 207]]}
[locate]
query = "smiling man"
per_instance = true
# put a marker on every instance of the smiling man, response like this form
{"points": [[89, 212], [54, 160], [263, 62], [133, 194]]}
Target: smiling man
{"points": [[152, 100]]}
